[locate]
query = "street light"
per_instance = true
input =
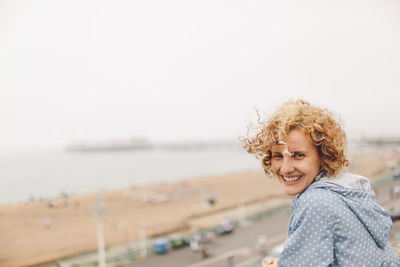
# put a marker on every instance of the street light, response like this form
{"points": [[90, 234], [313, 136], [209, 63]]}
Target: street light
{"points": [[100, 212]]}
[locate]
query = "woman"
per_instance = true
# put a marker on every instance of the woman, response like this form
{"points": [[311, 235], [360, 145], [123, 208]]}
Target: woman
{"points": [[335, 219]]}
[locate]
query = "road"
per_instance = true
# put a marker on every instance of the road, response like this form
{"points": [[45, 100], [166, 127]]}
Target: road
{"points": [[242, 243]]}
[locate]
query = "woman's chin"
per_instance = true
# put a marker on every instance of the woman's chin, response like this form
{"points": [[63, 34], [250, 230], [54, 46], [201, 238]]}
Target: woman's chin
{"points": [[291, 191], [292, 188]]}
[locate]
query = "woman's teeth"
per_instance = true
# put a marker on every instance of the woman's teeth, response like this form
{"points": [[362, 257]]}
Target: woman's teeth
{"points": [[291, 178]]}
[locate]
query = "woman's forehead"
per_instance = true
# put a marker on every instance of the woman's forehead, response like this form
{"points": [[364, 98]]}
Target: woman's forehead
{"points": [[284, 149], [296, 141]]}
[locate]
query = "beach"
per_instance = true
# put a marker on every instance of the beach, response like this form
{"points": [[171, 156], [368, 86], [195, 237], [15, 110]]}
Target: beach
{"points": [[38, 232]]}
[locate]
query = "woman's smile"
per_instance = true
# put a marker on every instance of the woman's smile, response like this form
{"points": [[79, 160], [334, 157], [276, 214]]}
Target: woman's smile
{"points": [[291, 179]]}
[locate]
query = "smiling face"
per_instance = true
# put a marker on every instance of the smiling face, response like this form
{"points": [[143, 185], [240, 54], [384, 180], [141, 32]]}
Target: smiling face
{"points": [[296, 164]]}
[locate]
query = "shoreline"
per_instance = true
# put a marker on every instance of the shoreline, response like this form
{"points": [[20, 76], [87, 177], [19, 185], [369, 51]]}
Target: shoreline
{"points": [[47, 175]]}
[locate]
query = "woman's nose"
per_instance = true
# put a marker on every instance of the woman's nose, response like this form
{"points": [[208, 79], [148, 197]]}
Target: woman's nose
{"points": [[287, 166]]}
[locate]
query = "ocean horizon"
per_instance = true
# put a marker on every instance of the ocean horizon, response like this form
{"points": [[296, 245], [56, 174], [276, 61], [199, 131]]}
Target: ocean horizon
{"points": [[48, 173]]}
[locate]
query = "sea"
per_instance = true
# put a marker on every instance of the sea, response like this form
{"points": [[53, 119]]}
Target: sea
{"points": [[43, 174]]}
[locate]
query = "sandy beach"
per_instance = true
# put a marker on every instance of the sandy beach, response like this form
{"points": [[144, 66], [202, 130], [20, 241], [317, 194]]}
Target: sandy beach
{"points": [[33, 233]]}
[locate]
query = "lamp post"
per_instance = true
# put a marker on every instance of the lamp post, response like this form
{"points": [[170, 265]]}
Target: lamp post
{"points": [[100, 211]]}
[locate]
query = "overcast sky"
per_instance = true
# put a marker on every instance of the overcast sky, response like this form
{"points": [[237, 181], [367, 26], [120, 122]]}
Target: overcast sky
{"points": [[182, 69]]}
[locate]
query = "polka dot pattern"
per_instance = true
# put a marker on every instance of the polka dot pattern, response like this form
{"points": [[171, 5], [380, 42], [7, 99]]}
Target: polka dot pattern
{"points": [[331, 225]]}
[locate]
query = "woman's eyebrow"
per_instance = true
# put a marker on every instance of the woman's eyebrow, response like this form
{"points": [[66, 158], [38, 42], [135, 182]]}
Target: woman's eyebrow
{"points": [[283, 152], [297, 151], [300, 151]]}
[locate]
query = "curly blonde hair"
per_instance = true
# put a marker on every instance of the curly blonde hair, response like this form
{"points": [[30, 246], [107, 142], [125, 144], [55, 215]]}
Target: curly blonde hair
{"points": [[319, 124]]}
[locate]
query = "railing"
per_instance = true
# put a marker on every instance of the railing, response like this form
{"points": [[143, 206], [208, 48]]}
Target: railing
{"points": [[121, 255]]}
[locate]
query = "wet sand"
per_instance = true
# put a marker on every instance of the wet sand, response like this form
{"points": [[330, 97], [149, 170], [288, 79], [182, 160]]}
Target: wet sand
{"points": [[158, 208]]}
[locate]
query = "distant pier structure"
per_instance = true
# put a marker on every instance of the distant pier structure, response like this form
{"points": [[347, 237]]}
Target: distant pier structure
{"points": [[114, 145], [132, 144]]}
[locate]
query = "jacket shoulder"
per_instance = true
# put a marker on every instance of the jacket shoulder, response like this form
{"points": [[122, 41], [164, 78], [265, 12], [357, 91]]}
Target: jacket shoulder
{"points": [[321, 201], [319, 195]]}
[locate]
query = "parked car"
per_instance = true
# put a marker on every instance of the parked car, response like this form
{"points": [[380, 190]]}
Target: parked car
{"points": [[160, 245], [178, 241], [224, 228]]}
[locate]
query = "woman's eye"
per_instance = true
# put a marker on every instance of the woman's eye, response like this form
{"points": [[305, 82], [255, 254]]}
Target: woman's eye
{"points": [[277, 156], [298, 155]]}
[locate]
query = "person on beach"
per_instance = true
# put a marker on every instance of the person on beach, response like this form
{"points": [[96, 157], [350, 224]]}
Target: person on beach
{"points": [[334, 218]]}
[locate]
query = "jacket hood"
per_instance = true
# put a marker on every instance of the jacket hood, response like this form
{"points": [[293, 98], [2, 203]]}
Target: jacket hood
{"points": [[356, 192]]}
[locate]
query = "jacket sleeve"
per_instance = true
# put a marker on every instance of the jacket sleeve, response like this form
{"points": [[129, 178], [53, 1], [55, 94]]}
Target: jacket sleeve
{"points": [[310, 239]]}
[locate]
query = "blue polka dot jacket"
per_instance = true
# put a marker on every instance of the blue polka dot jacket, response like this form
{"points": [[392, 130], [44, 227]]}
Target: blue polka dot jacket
{"points": [[336, 221]]}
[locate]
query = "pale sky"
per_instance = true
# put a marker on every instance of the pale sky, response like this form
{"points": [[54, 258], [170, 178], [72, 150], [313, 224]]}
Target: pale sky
{"points": [[182, 69]]}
